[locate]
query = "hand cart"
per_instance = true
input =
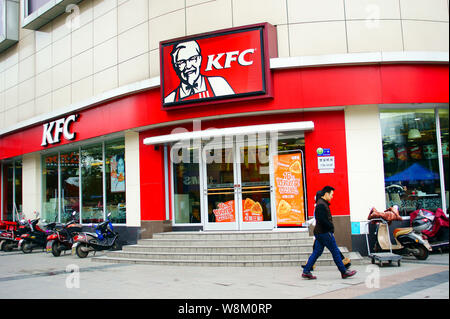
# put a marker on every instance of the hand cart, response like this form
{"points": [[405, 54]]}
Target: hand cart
{"points": [[382, 257]]}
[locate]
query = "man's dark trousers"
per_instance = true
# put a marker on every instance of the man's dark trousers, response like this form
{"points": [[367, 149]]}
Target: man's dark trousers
{"points": [[322, 241]]}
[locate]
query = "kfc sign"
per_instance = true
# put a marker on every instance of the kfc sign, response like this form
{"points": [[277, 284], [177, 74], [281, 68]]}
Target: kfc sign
{"points": [[230, 64], [52, 131]]}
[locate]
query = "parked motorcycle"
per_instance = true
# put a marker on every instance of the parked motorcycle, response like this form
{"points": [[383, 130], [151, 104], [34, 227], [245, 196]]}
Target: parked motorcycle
{"points": [[36, 237], [10, 236], [62, 238], [433, 226], [104, 238], [408, 241]]}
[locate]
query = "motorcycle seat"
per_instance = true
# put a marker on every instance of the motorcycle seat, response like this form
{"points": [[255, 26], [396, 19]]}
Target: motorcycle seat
{"points": [[402, 231]]}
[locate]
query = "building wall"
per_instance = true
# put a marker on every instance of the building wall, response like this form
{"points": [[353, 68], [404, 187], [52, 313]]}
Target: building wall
{"points": [[365, 160], [112, 43]]}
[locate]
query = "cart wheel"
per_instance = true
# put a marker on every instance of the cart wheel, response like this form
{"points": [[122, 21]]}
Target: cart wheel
{"points": [[373, 261]]}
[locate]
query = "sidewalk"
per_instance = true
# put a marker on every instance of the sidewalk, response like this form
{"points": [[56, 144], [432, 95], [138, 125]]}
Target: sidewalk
{"points": [[45, 276]]}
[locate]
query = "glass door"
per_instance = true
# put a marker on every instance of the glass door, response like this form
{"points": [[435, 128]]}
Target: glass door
{"points": [[221, 190], [255, 191], [237, 186]]}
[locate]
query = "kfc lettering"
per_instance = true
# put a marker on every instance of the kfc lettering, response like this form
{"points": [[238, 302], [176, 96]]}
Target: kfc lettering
{"points": [[52, 131], [214, 61], [230, 64]]}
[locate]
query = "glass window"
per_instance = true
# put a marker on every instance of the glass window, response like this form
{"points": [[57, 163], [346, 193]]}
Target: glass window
{"points": [[70, 184], [443, 119], [186, 185], [8, 195], [115, 180], [12, 190], [92, 184], [50, 195], [411, 165], [18, 185], [34, 5]]}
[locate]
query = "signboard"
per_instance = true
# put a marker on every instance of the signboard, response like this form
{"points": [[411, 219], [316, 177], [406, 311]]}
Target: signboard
{"points": [[51, 131], [224, 65], [289, 191]]}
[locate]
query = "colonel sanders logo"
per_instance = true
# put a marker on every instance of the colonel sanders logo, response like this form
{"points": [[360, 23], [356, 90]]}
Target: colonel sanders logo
{"points": [[186, 61]]}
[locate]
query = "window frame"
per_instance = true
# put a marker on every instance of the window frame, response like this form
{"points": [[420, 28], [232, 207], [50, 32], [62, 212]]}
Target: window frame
{"points": [[44, 14], [10, 24]]}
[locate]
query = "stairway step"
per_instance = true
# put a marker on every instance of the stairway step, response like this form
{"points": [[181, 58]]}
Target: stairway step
{"points": [[222, 263], [222, 242], [261, 235], [221, 249], [214, 256]]}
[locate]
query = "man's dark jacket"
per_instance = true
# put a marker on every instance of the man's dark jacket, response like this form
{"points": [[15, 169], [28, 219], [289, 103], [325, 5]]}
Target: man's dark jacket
{"points": [[324, 221]]}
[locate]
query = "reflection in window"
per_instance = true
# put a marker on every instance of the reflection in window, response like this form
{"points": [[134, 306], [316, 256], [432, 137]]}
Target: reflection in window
{"points": [[70, 185], [443, 119], [92, 184], [115, 181], [186, 184], [12, 190], [411, 165], [50, 195], [34, 5]]}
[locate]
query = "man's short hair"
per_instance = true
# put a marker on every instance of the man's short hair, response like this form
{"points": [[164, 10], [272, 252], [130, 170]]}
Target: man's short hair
{"points": [[327, 189]]}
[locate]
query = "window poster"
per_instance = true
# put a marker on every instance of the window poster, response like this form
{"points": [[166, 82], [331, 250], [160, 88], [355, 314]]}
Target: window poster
{"points": [[289, 193], [117, 174]]}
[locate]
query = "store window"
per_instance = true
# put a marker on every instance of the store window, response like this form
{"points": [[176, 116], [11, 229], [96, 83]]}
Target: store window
{"points": [[411, 160], [11, 190], [89, 180], [115, 180], [443, 121], [92, 184], [186, 185], [50, 200]]}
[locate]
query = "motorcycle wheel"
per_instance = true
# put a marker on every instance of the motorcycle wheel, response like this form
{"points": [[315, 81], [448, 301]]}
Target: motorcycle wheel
{"points": [[27, 248], [2, 245], [80, 253], [55, 249], [423, 252]]}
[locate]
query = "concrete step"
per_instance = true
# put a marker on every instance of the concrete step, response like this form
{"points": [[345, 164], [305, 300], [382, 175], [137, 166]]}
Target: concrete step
{"points": [[356, 260], [223, 249], [215, 256], [255, 248], [233, 235], [222, 242]]}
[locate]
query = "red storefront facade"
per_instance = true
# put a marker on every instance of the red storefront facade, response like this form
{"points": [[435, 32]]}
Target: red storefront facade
{"points": [[298, 94]]}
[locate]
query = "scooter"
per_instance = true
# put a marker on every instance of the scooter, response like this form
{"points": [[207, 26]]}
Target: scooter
{"points": [[408, 241], [10, 237], [104, 238], [62, 239], [36, 237], [433, 226]]}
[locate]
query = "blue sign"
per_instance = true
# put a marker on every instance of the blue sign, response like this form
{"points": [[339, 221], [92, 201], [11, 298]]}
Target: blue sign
{"points": [[323, 152]]}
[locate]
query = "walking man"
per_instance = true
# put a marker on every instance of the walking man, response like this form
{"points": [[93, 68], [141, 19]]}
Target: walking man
{"points": [[324, 234]]}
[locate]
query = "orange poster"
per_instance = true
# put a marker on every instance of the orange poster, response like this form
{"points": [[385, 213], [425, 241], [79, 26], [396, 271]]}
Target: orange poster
{"points": [[225, 212], [252, 210], [289, 194]]}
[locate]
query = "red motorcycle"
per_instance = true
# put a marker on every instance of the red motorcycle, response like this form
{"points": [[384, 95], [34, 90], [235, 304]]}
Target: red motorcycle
{"points": [[10, 236], [434, 227], [62, 238]]}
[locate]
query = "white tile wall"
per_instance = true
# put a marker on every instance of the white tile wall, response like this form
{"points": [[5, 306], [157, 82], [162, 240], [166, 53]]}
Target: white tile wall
{"points": [[115, 42]]}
